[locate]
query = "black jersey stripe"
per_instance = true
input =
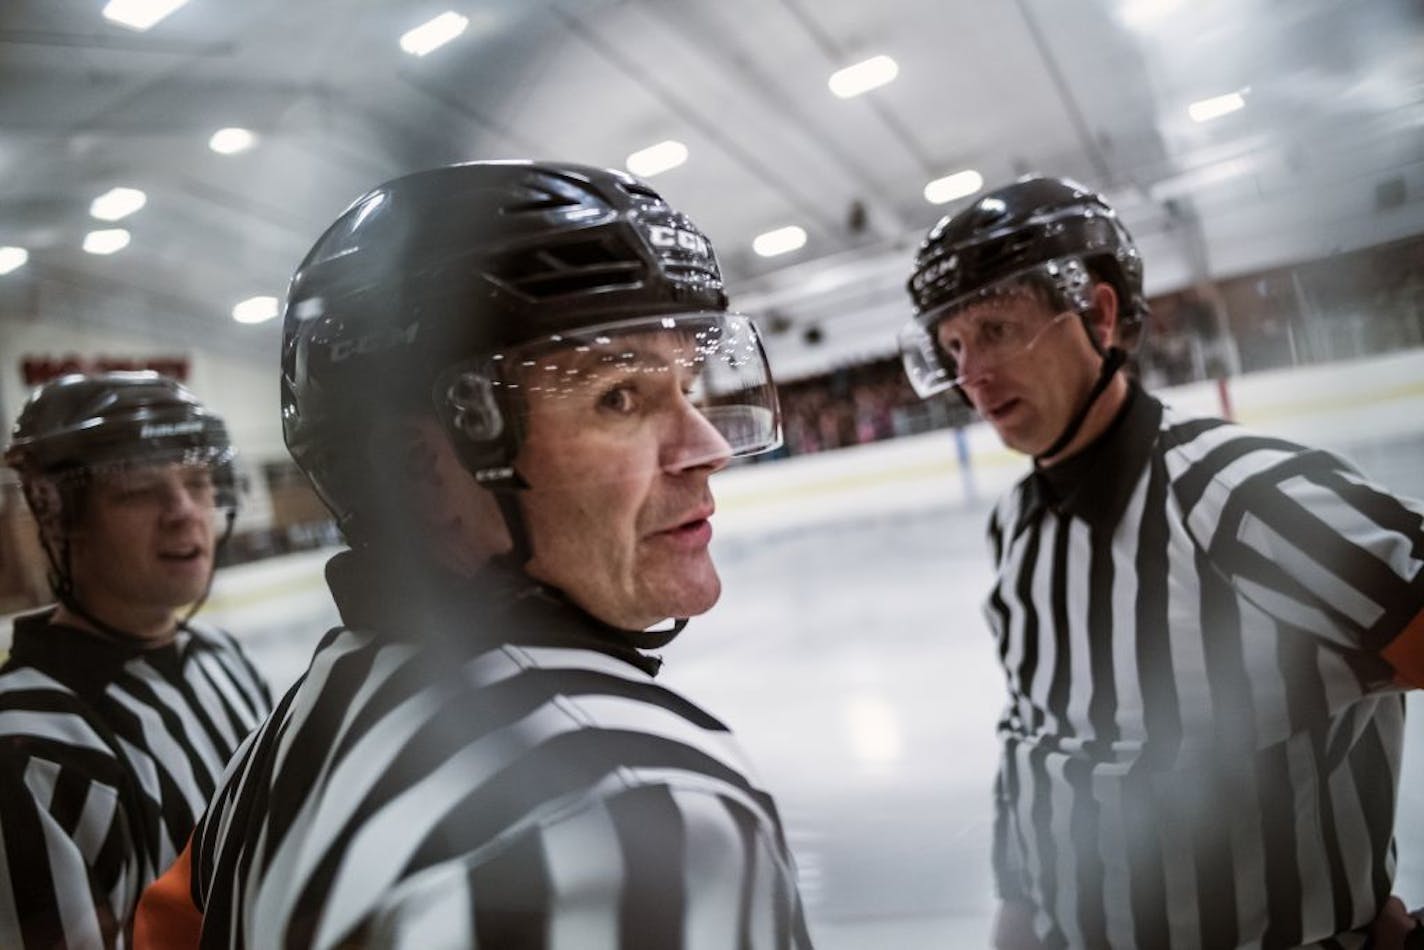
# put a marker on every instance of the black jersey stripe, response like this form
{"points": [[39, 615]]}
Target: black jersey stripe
{"points": [[1063, 672], [651, 835], [1192, 485]]}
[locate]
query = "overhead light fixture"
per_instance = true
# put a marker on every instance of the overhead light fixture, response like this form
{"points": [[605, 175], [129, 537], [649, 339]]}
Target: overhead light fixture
{"points": [[230, 141], [863, 76], [1204, 110], [106, 242], [781, 241], [117, 203], [433, 34], [1146, 13], [139, 14], [951, 187], [656, 159], [255, 310], [12, 258]]}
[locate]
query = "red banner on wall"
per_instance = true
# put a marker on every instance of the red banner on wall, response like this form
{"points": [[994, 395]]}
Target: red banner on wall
{"points": [[35, 370]]}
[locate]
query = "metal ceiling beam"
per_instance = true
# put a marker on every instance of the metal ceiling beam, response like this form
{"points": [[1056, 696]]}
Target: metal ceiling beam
{"points": [[1086, 140], [767, 91], [837, 56], [631, 67]]}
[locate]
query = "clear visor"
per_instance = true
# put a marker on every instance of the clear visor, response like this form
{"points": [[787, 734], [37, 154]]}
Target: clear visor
{"points": [[990, 327], [699, 383], [198, 480]]}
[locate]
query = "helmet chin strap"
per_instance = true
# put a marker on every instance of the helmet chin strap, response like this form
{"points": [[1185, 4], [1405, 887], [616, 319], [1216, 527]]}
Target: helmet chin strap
{"points": [[521, 551], [1113, 359]]}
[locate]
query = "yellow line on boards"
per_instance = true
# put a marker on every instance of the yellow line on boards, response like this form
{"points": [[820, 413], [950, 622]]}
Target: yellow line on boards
{"points": [[1327, 403], [305, 582]]}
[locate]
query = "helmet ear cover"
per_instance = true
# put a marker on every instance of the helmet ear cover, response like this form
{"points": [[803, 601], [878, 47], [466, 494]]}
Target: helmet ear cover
{"points": [[482, 424], [55, 509]]}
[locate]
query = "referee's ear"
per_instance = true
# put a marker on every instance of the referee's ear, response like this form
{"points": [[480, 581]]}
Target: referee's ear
{"points": [[1103, 315]]}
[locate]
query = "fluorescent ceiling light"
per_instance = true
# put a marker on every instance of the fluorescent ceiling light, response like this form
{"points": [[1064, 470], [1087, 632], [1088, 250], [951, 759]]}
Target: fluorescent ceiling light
{"points": [[12, 258], [781, 241], [433, 34], [656, 159], [231, 141], [106, 242], [863, 76], [1204, 110], [1146, 13], [255, 310], [117, 203], [139, 14], [959, 185]]}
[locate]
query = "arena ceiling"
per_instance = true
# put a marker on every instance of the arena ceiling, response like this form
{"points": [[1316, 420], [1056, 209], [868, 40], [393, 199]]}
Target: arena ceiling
{"points": [[1326, 152]]}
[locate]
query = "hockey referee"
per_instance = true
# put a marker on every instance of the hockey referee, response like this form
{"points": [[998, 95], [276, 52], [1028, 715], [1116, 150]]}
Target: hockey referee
{"points": [[117, 713], [510, 382], [1206, 634]]}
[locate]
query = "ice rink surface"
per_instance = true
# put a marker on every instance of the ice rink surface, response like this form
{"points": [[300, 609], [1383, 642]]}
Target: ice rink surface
{"points": [[849, 655]]}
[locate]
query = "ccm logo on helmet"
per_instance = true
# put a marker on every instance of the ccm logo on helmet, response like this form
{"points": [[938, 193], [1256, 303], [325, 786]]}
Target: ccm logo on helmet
{"points": [[343, 350], [662, 235], [164, 430]]}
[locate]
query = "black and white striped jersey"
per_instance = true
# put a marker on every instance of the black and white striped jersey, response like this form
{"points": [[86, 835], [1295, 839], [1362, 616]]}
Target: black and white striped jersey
{"points": [[108, 755], [509, 774], [1202, 743]]}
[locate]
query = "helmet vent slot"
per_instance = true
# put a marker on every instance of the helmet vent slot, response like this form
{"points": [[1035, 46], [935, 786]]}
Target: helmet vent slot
{"points": [[542, 201], [574, 267], [640, 190]]}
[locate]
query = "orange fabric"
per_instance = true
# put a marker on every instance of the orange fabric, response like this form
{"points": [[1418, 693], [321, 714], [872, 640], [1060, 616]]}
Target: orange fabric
{"points": [[1406, 653], [166, 918]]}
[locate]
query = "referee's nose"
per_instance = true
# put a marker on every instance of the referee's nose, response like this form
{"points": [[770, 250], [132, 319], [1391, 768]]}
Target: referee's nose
{"points": [[974, 370]]}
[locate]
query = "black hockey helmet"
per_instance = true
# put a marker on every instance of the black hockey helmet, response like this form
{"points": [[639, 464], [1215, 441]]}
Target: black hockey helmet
{"points": [[1050, 232], [78, 424], [421, 287]]}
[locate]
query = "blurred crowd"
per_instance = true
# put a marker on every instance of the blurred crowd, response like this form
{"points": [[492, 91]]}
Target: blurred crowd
{"points": [[1342, 307]]}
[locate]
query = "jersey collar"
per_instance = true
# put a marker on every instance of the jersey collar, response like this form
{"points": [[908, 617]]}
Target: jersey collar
{"points": [[499, 605], [84, 661], [1097, 483]]}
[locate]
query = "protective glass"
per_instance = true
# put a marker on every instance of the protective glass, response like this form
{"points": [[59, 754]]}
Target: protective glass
{"points": [[649, 371], [994, 325]]}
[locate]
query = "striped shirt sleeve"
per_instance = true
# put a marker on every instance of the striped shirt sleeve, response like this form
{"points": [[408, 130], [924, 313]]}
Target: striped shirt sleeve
{"points": [[71, 872], [1313, 544], [648, 866]]}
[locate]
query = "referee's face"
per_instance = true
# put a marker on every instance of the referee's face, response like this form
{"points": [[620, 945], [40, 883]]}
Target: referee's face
{"points": [[1027, 389], [144, 546], [619, 505]]}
